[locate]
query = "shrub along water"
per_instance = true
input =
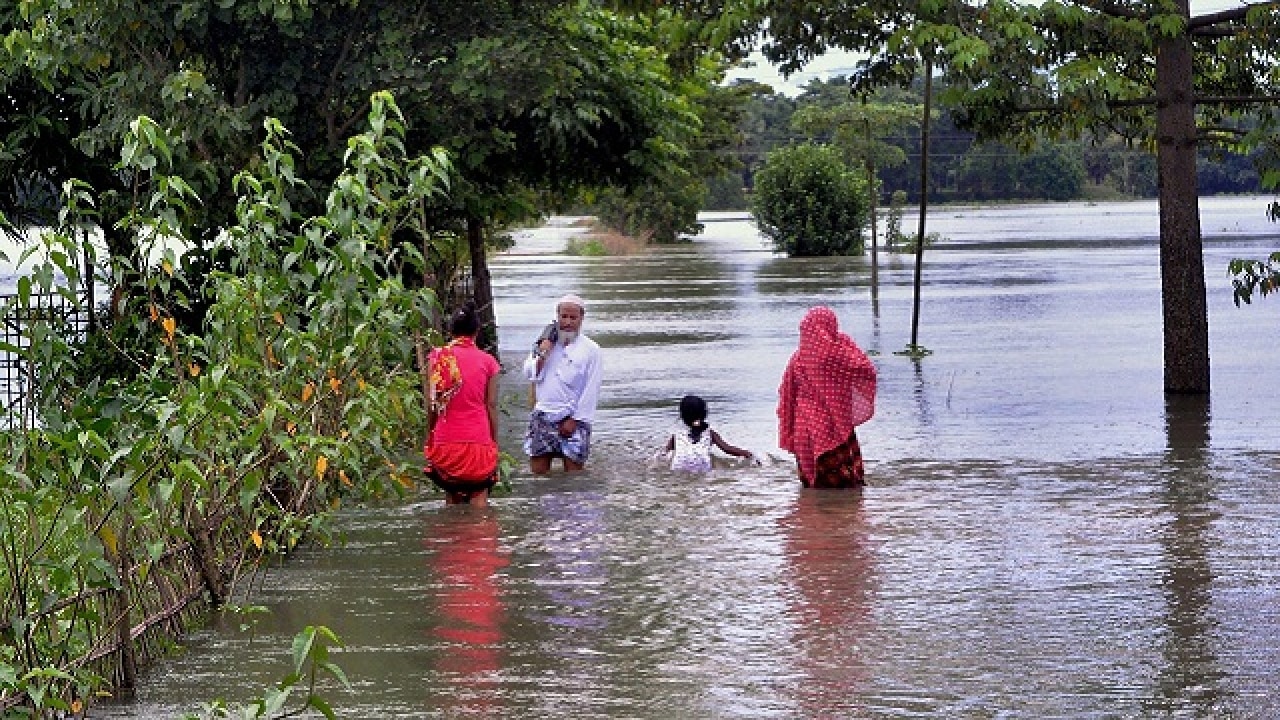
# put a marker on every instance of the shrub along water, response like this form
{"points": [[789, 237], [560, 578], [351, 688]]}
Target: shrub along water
{"points": [[809, 203], [137, 493]]}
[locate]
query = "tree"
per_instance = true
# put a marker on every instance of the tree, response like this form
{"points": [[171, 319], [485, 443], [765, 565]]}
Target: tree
{"points": [[858, 129], [988, 171], [535, 100], [1052, 172], [1149, 70], [766, 125], [809, 202]]}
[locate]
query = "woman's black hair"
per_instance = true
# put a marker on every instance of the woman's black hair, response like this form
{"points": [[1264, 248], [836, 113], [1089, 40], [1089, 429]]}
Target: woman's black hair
{"points": [[693, 411], [463, 322]]}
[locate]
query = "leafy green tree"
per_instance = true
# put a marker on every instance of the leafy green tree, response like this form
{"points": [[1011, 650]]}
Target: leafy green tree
{"points": [[663, 206], [809, 202], [988, 171], [1052, 172], [858, 129], [766, 125], [535, 100], [1150, 70]]}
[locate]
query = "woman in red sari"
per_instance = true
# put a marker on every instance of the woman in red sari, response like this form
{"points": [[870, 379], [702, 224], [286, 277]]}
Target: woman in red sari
{"points": [[462, 416], [828, 389]]}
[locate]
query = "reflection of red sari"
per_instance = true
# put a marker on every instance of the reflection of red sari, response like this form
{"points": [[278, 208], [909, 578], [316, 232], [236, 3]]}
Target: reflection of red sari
{"points": [[828, 389], [830, 565], [466, 560]]}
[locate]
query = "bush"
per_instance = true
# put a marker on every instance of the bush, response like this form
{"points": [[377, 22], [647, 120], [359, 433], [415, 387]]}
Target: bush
{"points": [[809, 203], [664, 214], [193, 457], [1053, 173]]}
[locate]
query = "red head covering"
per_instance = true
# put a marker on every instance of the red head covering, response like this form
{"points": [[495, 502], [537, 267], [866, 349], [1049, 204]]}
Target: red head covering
{"points": [[828, 389]]}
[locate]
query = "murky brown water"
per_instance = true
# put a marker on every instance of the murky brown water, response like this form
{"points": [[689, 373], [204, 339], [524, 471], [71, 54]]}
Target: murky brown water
{"points": [[1044, 537]]}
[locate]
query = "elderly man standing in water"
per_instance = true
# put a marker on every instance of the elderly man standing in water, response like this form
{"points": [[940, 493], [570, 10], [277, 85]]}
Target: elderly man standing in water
{"points": [[565, 368]]}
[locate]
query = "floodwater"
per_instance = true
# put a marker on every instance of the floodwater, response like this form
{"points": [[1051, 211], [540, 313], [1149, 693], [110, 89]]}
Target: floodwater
{"points": [[1043, 535]]}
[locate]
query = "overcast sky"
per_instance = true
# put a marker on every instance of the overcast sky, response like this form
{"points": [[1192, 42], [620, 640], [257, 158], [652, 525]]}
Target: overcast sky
{"points": [[842, 63]]}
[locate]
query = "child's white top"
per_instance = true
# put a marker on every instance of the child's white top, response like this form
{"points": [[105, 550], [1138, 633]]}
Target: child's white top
{"points": [[690, 456]]}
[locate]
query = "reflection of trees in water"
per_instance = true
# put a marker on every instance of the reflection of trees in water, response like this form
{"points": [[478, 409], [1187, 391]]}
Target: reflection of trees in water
{"points": [[465, 556], [824, 277], [1190, 677], [920, 392], [831, 568]]}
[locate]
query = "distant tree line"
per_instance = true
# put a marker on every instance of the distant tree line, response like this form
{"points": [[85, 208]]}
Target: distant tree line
{"points": [[962, 168]]}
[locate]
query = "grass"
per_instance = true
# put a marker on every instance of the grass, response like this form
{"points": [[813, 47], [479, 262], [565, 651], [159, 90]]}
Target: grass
{"points": [[600, 241]]}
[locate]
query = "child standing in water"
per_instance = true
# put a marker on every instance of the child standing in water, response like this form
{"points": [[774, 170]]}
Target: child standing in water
{"points": [[691, 450]]}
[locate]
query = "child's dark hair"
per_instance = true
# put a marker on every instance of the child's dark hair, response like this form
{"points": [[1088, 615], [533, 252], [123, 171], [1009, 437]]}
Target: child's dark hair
{"points": [[693, 411], [464, 321]]}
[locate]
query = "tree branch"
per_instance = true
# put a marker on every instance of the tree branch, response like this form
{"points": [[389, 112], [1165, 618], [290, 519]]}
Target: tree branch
{"points": [[1062, 108], [1114, 10], [241, 95], [1217, 32], [1227, 16], [1238, 100], [1222, 130], [360, 113], [1149, 101], [326, 101]]}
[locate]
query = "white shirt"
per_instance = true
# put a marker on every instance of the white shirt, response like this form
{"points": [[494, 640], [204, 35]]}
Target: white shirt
{"points": [[690, 456], [569, 384]]}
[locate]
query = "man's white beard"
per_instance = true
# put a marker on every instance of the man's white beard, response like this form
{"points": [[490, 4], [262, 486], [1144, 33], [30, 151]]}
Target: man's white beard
{"points": [[567, 336]]}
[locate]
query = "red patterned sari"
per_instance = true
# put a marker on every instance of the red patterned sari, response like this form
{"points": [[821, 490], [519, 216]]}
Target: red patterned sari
{"points": [[827, 390]]}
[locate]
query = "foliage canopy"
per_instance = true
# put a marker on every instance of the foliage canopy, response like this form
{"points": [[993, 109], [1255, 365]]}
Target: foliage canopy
{"points": [[808, 202]]}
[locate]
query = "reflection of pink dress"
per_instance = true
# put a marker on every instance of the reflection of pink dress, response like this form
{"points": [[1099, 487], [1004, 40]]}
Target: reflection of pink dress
{"points": [[466, 562]]}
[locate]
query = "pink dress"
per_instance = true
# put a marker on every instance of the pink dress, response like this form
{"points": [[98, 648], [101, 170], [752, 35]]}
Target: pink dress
{"points": [[461, 448]]}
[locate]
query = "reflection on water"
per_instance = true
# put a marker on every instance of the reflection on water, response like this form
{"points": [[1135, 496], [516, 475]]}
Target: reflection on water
{"points": [[831, 566], [1043, 535], [1190, 679], [465, 559], [573, 575]]}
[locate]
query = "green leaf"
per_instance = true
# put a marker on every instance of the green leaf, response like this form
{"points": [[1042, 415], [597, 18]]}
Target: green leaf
{"points": [[319, 703], [176, 434], [302, 644], [120, 488], [338, 673]]}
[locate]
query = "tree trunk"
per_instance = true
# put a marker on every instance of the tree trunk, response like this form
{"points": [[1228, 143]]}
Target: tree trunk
{"points": [[869, 164], [207, 560], [924, 204], [481, 288], [1186, 320], [121, 601]]}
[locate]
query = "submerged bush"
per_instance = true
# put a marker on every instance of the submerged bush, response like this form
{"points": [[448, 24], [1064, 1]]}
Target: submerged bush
{"points": [[808, 202]]}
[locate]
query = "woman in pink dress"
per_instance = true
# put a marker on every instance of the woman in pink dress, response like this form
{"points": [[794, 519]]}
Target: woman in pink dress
{"points": [[827, 390], [462, 416]]}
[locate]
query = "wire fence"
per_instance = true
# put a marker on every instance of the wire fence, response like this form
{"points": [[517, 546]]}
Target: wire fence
{"points": [[19, 377]]}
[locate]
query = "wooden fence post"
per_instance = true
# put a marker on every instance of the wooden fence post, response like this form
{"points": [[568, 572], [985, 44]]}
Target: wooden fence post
{"points": [[206, 560], [120, 601]]}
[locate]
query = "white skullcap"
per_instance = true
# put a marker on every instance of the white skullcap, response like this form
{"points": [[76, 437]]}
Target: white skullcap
{"points": [[572, 299]]}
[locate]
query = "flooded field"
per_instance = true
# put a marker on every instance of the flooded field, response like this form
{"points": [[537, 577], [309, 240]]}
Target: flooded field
{"points": [[1044, 536]]}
